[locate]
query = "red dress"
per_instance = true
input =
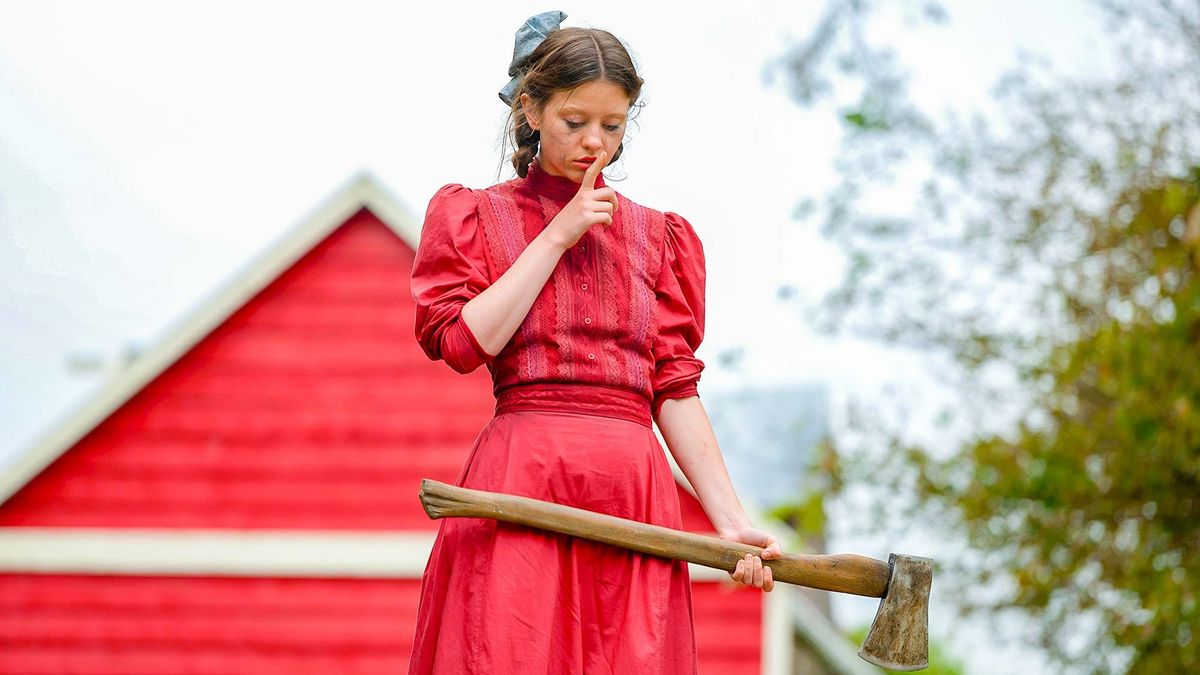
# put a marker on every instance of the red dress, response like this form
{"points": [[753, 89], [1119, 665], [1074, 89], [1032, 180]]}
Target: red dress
{"points": [[609, 338]]}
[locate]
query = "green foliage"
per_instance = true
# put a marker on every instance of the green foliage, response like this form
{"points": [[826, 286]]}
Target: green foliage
{"points": [[865, 121], [1049, 262]]}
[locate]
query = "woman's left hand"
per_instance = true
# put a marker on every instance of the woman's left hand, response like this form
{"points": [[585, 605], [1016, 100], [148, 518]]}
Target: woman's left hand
{"points": [[750, 569]]}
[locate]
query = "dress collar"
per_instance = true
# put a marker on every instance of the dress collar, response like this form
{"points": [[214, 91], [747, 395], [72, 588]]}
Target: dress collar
{"points": [[558, 188]]}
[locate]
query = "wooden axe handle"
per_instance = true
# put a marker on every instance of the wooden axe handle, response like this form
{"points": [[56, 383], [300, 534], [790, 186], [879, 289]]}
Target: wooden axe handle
{"points": [[844, 573]]}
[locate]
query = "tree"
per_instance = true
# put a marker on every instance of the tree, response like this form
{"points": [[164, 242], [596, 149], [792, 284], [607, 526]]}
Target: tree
{"points": [[1048, 265]]}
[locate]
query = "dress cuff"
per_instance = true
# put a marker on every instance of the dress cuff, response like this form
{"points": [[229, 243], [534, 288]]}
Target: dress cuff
{"points": [[681, 390], [462, 350], [478, 348]]}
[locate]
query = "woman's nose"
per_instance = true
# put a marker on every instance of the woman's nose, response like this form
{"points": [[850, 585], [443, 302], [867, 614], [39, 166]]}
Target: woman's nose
{"points": [[591, 141]]}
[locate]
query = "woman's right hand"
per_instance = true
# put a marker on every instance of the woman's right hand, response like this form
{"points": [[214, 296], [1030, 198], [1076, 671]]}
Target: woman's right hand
{"points": [[590, 206]]}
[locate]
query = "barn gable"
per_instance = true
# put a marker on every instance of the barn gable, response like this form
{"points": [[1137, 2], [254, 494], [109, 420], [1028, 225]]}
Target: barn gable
{"points": [[310, 406], [270, 271]]}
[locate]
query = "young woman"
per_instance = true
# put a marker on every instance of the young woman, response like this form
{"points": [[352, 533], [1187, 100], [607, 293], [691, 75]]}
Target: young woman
{"points": [[587, 308]]}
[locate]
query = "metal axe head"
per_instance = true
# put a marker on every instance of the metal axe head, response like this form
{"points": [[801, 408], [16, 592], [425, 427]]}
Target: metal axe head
{"points": [[899, 635]]}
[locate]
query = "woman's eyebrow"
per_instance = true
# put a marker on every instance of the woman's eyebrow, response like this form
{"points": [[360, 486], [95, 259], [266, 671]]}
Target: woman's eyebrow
{"points": [[573, 109]]}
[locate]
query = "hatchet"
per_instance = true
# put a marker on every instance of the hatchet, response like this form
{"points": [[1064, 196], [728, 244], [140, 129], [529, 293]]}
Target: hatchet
{"points": [[899, 634]]}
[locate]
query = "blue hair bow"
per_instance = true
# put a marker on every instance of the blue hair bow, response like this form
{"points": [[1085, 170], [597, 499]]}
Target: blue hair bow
{"points": [[529, 36]]}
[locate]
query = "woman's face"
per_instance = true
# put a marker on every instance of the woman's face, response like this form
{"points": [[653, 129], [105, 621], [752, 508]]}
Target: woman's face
{"points": [[577, 126]]}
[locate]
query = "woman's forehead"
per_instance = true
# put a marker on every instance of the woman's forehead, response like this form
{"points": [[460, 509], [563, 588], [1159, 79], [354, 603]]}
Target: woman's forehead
{"points": [[600, 97]]}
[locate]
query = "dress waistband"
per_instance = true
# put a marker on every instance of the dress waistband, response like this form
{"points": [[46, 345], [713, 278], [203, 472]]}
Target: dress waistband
{"points": [[588, 399]]}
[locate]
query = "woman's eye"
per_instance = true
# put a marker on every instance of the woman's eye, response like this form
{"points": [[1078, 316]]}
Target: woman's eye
{"points": [[576, 125]]}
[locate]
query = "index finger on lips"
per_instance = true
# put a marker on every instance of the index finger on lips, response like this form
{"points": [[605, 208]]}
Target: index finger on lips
{"points": [[589, 176]]}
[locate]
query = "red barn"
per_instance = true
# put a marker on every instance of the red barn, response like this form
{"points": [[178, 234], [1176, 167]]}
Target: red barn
{"points": [[243, 496]]}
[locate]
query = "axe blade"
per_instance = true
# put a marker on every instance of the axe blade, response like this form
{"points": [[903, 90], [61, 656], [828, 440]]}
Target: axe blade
{"points": [[899, 635]]}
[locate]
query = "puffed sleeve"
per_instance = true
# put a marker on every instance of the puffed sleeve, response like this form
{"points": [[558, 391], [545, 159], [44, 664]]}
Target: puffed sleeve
{"points": [[680, 314], [449, 270]]}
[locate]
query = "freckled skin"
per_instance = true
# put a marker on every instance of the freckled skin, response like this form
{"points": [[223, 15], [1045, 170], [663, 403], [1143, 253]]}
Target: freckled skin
{"points": [[579, 123]]}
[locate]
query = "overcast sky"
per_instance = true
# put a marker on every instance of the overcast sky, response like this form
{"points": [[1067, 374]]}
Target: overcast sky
{"points": [[149, 150]]}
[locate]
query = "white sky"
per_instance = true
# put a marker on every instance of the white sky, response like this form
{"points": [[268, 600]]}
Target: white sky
{"points": [[149, 150]]}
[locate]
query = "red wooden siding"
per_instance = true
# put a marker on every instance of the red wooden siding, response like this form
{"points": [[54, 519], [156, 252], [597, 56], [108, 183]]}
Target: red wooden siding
{"points": [[111, 624], [728, 621], [311, 407], [96, 624]]}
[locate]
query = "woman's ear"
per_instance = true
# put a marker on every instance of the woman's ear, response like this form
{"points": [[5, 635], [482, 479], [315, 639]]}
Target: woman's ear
{"points": [[527, 109]]}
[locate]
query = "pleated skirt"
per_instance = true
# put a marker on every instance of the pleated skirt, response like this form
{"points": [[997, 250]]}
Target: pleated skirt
{"points": [[499, 598]]}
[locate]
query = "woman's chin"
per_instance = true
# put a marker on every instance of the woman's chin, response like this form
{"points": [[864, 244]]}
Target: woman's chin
{"points": [[572, 172]]}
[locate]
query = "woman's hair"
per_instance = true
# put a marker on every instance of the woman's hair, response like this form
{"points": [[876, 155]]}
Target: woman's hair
{"points": [[567, 58]]}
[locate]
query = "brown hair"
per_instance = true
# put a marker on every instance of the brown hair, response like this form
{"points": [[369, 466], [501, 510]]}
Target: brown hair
{"points": [[567, 58]]}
